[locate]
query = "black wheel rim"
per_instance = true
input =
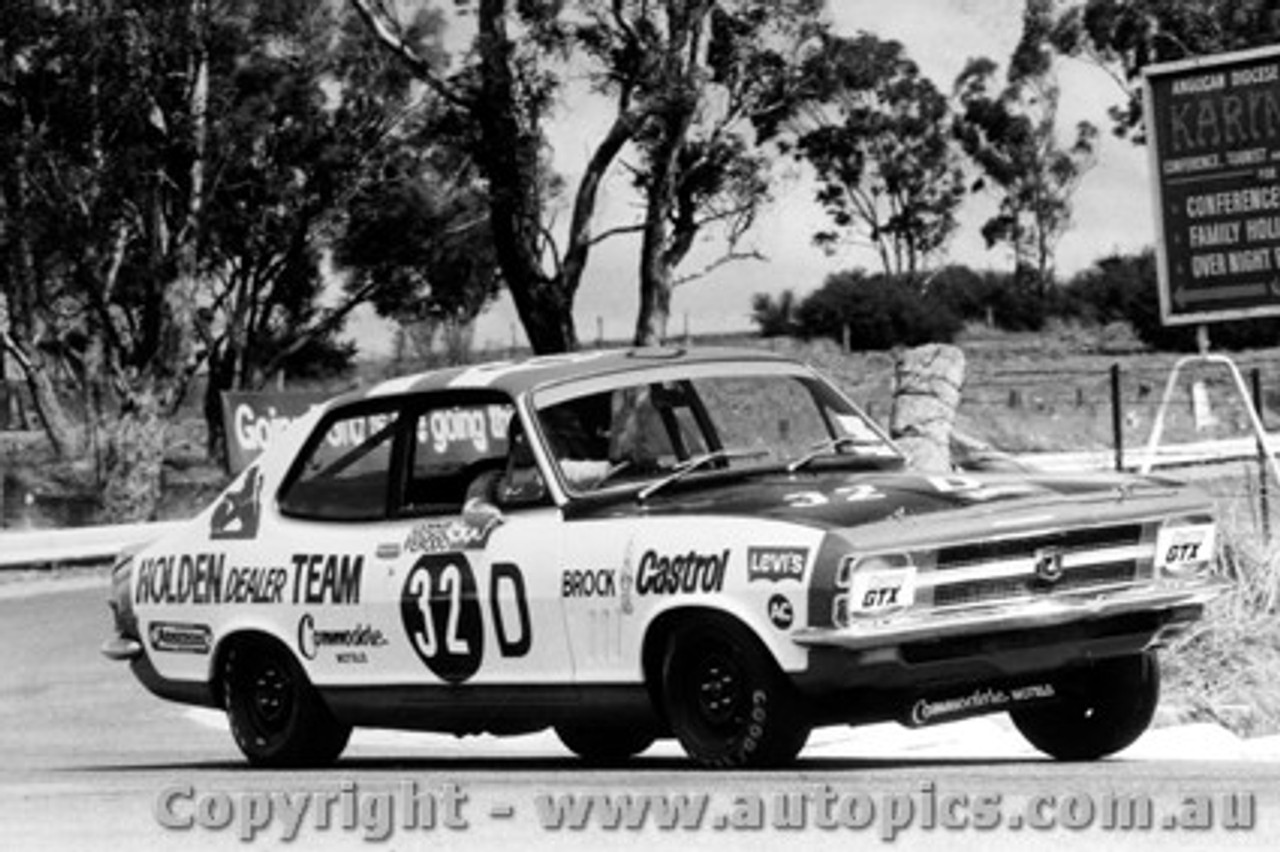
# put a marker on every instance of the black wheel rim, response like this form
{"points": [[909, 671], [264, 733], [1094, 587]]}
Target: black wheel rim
{"points": [[270, 698], [719, 690]]}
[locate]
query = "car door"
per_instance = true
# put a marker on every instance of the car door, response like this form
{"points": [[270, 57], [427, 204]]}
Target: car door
{"points": [[397, 584]]}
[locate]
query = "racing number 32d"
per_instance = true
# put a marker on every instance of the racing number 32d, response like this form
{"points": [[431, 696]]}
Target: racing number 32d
{"points": [[441, 611]]}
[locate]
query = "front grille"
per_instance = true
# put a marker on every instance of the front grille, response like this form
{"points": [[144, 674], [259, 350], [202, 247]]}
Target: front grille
{"points": [[985, 572]]}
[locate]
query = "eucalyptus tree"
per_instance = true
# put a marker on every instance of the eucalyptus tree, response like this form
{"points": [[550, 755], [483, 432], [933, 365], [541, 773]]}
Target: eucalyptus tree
{"points": [[1012, 135], [693, 88], [889, 175]]}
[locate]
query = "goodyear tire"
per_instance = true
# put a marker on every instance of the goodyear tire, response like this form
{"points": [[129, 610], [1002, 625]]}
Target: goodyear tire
{"points": [[604, 745], [1104, 709], [277, 717], [726, 700]]}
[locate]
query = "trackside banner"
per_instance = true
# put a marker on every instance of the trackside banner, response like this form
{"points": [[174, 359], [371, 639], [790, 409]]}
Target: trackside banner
{"points": [[459, 434], [253, 418]]}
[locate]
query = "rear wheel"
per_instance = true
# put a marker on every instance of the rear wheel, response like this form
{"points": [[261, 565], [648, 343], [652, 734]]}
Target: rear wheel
{"points": [[277, 717], [604, 744], [1103, 709], [726, 699]]}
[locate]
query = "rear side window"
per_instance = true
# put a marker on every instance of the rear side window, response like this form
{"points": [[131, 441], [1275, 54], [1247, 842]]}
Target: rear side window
{"points": [[346, 475], [405, 457]]}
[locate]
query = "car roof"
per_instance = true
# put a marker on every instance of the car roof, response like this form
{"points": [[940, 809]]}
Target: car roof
{"points": [[520, 376]]}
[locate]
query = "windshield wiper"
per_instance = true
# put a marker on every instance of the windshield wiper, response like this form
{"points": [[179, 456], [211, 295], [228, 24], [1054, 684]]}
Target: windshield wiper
{"points": [[829, 446], [689, 465]]}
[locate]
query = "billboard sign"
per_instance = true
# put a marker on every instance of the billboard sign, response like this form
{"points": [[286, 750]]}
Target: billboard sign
{"points": [[251, 419], [1213, 127]]}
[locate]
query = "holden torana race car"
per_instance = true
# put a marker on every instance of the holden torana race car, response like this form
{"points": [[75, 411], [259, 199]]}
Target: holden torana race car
{"points": [[711, 545]]}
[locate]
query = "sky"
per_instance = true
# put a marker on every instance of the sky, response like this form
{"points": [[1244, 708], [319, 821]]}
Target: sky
{"points": [[1112, 208]]}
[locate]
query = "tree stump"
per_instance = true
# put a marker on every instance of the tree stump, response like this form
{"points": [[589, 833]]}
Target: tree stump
{"points": [[927, 384]]}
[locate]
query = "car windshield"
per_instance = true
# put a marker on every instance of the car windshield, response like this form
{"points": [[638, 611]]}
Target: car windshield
{"points": [[611, 434]]}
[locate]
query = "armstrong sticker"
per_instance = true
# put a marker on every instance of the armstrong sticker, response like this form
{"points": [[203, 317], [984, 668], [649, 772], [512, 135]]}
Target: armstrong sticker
{"points": [[180, 638], [451, 535], [348, 643], [685, 573], [775, 564]]}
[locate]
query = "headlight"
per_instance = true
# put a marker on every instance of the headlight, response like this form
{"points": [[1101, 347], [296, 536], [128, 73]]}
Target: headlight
{"points": [[1185, 547], [873, 586]]}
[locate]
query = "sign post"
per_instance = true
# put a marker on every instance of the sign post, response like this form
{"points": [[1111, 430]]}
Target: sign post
{"points": [[1213, 126]]}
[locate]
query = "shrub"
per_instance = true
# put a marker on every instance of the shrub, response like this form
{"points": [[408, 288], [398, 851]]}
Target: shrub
{"points": [[878, 312], [1125, 287], [775, 318], [1007, 301]]}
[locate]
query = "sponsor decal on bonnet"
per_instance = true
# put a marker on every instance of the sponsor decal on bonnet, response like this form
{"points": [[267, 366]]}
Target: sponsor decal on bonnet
{"points": [[775, 564]]}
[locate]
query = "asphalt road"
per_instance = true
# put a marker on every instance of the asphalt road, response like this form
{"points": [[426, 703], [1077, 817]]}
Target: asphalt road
{"points": [[91, 761]]}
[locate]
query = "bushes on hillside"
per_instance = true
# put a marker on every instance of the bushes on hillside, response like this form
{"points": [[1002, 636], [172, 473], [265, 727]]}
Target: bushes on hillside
{"points": [[1124, 287], [876, 312], [880, 312]]}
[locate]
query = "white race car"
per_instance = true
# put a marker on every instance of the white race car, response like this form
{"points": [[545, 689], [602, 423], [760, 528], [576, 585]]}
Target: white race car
{"points": [[714, 545]]}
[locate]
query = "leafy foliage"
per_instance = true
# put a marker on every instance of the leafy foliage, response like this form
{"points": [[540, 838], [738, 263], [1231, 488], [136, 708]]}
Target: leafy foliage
{"points": [[1128, 35], [888, 173], [875, 312], [1012, 137]]}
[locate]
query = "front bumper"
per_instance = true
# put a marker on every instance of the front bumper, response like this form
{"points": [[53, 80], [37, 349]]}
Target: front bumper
{"points": [[122, 649], [1048, 612]]}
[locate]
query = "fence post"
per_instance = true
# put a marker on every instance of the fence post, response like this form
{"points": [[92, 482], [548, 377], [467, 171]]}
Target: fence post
{"points": [[1264, 496], [1117, 417]]}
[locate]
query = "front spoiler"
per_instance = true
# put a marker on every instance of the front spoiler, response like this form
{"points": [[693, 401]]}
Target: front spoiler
{"points": [[970, 621]]}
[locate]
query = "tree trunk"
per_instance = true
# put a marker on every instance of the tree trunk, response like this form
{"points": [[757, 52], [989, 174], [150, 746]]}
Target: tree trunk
{"points": [[63, 436], [135, 459], [927, 383], [510, 154]]}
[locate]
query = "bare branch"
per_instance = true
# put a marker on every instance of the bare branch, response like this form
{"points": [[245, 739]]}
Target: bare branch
{"points": [[727, 258]]}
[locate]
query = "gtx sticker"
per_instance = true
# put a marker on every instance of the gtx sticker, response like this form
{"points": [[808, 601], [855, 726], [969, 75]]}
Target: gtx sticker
{"points": [[180, 638], [878, 592], [775, 564], [781, 613], [1183, 547]]}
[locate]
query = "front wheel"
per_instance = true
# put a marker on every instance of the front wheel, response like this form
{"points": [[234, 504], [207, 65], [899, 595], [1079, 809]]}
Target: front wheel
{"points": [[726, 699], [1103, 709], [277, 717]]}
